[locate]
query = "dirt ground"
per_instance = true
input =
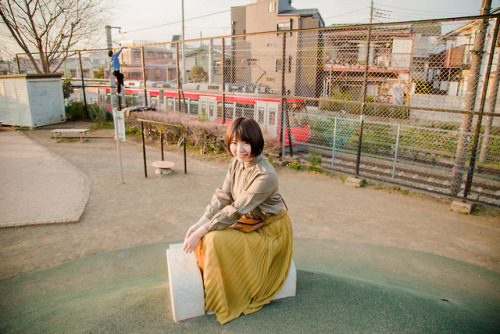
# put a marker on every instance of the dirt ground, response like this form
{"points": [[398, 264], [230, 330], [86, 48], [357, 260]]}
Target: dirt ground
{"points": [[144, 211]]}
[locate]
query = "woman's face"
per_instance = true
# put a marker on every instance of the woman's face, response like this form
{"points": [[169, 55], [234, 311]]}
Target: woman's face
{"points": [[241, 150]]}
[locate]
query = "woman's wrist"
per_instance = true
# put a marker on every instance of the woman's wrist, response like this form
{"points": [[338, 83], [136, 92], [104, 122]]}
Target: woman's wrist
{"points": [[200, 231]]}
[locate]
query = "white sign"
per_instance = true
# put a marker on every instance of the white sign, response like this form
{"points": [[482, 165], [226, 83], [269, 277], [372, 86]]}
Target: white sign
{"points": [[119, 125]]}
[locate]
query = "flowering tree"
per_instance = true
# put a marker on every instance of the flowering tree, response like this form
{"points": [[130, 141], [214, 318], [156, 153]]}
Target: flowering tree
{"points": [[45, 29]]}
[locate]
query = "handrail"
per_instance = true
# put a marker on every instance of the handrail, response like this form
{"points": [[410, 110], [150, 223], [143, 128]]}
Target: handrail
{"points": [[161, 141]]}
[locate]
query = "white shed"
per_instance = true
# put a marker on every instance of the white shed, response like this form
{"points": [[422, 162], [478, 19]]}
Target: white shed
{"points": [[31, 99]]}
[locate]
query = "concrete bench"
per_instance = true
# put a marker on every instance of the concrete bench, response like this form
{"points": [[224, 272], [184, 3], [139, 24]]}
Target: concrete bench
{"points": [[187, 295], [163, 167], [82, 133]]}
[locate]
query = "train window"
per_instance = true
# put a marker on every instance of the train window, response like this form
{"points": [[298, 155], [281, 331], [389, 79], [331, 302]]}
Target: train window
{"points": [[203, 106], [260, 115], [211, 110], [272, 117]]}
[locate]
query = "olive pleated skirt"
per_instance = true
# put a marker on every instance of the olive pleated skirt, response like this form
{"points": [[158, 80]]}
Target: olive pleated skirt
{"points": [[244, 271]]}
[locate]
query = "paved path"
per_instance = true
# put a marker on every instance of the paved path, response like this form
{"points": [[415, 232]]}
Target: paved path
{"points": [[38, 186]]}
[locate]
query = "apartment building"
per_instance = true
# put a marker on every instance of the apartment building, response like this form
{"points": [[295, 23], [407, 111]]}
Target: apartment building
{"points": [[257, 60]]}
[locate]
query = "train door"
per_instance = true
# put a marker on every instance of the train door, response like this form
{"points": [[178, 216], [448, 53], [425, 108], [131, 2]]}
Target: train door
{"points": [[266, 114], [208, 107]]}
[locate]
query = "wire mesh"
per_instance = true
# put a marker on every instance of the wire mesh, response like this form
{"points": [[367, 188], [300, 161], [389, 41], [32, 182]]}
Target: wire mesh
{"points": [[396, 102]]}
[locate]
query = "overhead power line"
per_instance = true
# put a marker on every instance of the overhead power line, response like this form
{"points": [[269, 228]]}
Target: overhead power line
{"points": [[343, 14], [423, 11], [177, 22]]}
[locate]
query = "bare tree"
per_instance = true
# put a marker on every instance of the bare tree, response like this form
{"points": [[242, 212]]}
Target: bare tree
{"points": [[45, 29]]}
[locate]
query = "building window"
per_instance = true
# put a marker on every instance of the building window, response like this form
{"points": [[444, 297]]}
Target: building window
{"points": [[283, 26], [279, 65], [272, 7], [286, 25]]}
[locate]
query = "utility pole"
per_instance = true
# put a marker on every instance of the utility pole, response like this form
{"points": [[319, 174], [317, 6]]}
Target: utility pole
{"points": [[491, 107], [117, 114], [183, 48], [470, 100], [365, 84]]}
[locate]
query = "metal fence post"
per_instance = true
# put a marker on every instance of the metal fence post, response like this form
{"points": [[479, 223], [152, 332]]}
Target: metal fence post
{"points": [[83, 85], [283, 101], [396, 153], [223, 82], [334, 139], [144, 150], [178, 78], [144, 77]]}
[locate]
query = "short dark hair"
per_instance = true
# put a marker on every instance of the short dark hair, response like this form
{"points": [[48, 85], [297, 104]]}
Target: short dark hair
{"points": [[110, 53], [248, 130]]}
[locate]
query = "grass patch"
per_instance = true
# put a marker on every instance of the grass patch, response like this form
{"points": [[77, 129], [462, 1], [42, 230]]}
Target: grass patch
{"points": [[132, 131], [99, 126]]}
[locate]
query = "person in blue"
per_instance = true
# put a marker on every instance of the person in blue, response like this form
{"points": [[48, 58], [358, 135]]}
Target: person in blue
{"points": [[115, 67]]}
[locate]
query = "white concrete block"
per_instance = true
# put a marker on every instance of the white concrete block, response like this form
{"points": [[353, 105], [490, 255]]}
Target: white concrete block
{"points": [[462, 206], [186, 286], [290, 287], [354, 181]]}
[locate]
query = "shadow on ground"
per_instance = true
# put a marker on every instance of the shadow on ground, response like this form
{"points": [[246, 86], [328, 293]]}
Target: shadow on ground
{"points": [[378, 290]]}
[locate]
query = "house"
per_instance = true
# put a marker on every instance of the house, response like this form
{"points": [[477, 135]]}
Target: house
{"points": [[91, 64], [396, 55], [443, 82], [159, 60], [257, 60], [208, 58]]}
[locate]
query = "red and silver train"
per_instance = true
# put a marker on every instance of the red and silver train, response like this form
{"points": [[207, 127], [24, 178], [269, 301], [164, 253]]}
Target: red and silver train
{"points": [[208, 106]]}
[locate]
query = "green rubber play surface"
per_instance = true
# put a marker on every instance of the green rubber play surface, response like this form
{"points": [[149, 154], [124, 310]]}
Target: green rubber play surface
{"points": [[341, 288]]}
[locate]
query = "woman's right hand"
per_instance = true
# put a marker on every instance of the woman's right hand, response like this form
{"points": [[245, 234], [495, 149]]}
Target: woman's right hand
{"points": [[191, 230], [194, 227]]}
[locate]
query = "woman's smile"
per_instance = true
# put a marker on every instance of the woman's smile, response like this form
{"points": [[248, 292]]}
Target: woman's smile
{"points": [[241, 150]]}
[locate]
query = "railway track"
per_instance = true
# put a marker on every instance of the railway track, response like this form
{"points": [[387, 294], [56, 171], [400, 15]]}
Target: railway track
{"points": [[434, 178]]}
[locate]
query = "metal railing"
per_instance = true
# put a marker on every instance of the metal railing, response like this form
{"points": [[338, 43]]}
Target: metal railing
{"points": [[160, 126]]}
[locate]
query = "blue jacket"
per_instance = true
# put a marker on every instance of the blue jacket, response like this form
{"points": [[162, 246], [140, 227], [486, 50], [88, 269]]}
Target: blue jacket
{"points": [[115, 63]]}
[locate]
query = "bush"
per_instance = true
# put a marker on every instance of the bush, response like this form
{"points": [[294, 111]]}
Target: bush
{"points": [[99, 114], [197, 74], [67, 88], [207, 136], [75, 111], [336, 106]]}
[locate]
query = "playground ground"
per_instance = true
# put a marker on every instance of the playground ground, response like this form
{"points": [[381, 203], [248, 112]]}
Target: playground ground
{"points": [[369, 260]]}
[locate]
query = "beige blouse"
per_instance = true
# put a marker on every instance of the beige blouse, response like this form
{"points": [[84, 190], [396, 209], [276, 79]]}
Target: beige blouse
{"points": [[250, 190]]}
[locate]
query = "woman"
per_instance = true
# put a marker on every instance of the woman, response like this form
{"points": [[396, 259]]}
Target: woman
{"points": [[243, 271]]}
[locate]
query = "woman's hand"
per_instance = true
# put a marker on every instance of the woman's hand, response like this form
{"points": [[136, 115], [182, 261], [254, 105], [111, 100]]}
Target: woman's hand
{"points": [[193, 239], [191, 230], [194, 235], [191, 242]]}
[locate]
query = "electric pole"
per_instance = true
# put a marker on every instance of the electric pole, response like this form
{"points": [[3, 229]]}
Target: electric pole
{"points": [[117, 114]]}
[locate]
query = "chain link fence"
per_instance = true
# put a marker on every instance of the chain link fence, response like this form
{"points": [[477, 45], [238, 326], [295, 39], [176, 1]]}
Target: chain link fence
{"points": [[410, 103]]}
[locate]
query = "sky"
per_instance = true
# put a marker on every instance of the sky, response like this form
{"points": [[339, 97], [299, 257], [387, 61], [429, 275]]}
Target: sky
{"points": [[159, 20]]}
